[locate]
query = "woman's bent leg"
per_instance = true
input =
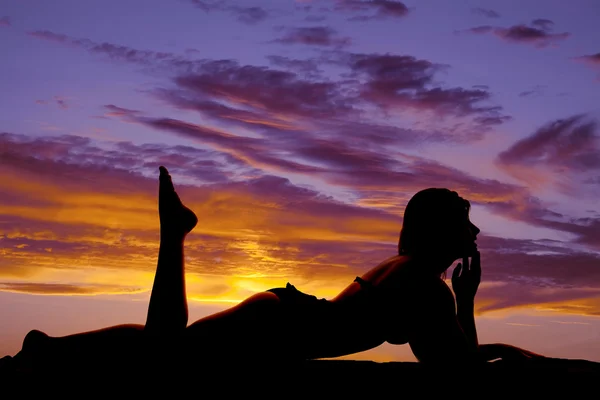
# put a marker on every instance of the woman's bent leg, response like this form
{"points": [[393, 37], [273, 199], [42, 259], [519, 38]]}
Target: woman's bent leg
{"points": [[103, 347], [167, 311]]}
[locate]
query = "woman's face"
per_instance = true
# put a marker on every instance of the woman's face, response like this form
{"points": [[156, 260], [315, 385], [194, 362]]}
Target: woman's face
{"points": [[466, 239]]}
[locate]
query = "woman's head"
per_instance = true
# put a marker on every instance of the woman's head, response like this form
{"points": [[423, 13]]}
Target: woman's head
{"points": [[436, 223]]}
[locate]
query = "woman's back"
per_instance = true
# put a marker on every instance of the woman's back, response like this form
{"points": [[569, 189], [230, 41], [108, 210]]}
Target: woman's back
{"points": [[369, 311]]}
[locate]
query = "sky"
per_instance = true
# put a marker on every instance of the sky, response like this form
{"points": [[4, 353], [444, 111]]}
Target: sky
{"points": [[297, 131]]}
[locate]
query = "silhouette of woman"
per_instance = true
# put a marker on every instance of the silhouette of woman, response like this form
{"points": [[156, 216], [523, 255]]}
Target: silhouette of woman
{"points": [[402, 300]]}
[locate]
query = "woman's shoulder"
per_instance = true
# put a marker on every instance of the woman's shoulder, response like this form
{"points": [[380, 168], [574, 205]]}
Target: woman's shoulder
{"points": [[407, 277], [402, 268]]}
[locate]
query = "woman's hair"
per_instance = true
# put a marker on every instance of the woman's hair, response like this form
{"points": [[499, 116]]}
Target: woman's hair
{"points": [[430, 221]]}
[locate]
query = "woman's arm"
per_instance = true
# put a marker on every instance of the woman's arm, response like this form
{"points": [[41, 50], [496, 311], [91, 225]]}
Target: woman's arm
{"points": [[435, 333], [465, 282], [466, 319]]}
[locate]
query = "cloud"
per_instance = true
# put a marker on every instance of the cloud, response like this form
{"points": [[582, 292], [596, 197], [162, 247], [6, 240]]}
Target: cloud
{"points": [[560, 151], [247, 15], [121, 53], [273, 90], [485, 12], [539, 264], [404, 81], [591, 59], [61, 102], [373, 9], [307, 67], [309, 98], [66, 289], [250, 15], [535, 91], [314, 36], [513, 296], [115, 111], [72, 221], [5, 21], [72, 204], [543, 24], [539, 33], [537, 274]]}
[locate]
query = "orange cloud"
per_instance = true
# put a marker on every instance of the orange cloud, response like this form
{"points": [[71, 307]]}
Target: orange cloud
{"points": [[64, 220]]}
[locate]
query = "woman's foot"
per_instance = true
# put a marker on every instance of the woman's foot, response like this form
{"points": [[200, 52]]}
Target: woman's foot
{"points": [[175, 218]]}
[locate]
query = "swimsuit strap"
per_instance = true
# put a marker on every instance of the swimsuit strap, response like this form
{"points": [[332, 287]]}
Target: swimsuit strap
{"points": [[363, 284]]}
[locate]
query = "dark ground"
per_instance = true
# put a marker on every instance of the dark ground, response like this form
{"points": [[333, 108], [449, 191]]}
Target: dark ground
{"points": [[552, 378]]}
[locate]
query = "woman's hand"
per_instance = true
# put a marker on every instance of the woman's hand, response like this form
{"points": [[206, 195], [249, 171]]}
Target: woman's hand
{"points": [[508, 353], [466, 278]]}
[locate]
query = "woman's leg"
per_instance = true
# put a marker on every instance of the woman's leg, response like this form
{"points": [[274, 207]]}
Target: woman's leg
{"points": [[167, 312]]}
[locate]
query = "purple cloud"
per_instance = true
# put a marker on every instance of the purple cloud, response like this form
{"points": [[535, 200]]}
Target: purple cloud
{"points": [[373, 9], [5, 21], [121, 53], [527, 34], [247, 15], [592, 59], [388, 82], [274, 90], [572, 144], [538, 34], [250, 15], [314, 36], [61, 102], [543, 24], [486, 12], [535, 91], [405, 81], [308, 67], [115, 111]]}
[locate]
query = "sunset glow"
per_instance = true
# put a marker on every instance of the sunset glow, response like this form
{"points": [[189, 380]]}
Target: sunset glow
{"points": [[297, 131]]}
